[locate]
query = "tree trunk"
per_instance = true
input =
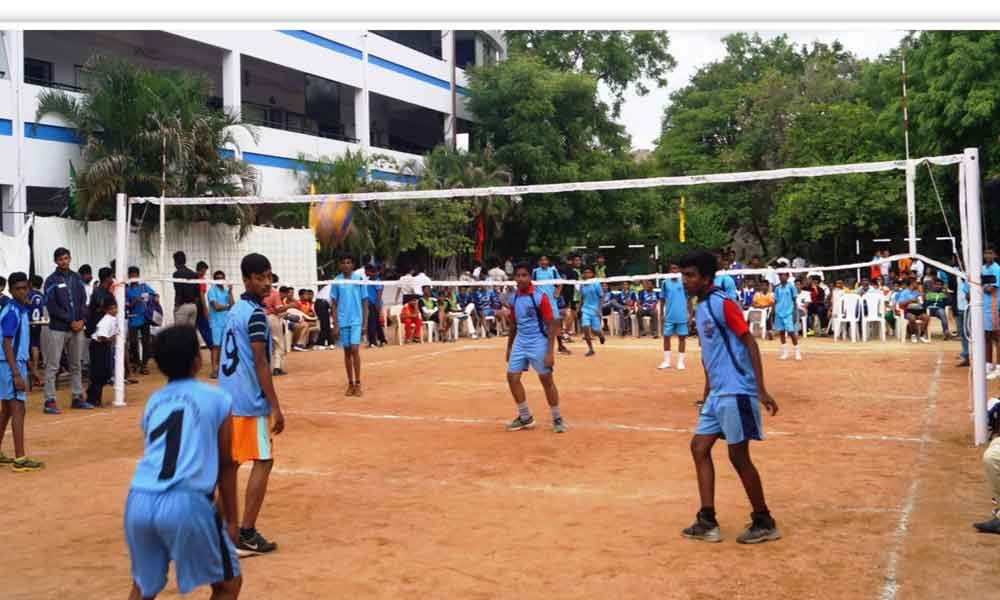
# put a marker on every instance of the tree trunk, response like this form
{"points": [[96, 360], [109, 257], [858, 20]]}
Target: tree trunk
{"points": [[760, 236]]}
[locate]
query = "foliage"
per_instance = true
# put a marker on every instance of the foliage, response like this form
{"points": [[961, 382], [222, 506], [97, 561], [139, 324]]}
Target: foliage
{"points": [[617, 58], [150, 133]]}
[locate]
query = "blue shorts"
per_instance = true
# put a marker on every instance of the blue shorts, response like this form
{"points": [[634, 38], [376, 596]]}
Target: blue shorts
{"points": [[7, 391], [217, 330], [784, 323], [350, 336], [735, 417], [680, 329], [590, 318], [523, 355], [182, 527], [205, 330]]}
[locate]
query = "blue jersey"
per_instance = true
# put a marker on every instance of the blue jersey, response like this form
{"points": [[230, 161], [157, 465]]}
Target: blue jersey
{"points": [[218, 295], [990, 304], [532, 313], [591, 294], [180, 427], [137, 314], [675, 301], [784, 300], [246, 324], [36, 304], [540, 274], [728, 286], [486, 299], [349, 298], [725, 358], [907, 295], [14, 326], [373, 291], [648, 299]]}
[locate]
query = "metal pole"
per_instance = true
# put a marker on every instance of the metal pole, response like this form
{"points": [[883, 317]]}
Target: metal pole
{"points": [[911, 204], [906, 111], [977, 318], [163, 255], [121, 270], [857, 250]]}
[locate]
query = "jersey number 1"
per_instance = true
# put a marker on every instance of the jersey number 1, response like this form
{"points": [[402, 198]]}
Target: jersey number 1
{"points": [[172, 427]]}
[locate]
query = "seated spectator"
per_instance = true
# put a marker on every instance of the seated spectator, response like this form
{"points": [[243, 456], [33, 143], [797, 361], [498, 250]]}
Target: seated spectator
{"points": [[413, 325], [309, 324], [501, 311], [747, 292], [466, 303], [462, 308], [432, 310], [648, 301], [486, 306], [611, 304], [763, 298], [910, 303], [802, 301], [936, 301]]}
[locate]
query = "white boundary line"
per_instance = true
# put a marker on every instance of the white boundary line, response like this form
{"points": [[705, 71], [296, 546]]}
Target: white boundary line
{"points": [[891, 585], [923, 440]]}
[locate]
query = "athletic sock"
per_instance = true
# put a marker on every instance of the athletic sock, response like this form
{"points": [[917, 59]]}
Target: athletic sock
{"points": [[523, 411], [555, 413], [666, 356], [680, 359], [784, 349]]}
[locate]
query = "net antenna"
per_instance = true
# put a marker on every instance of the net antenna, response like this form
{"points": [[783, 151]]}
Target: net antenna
{"points": [[969, 195]]}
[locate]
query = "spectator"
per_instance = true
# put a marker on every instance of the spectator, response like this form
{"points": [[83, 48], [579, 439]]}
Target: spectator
{"points": [[501, 310], [909, 302], [875, 271], [762, 298], [601, 267], [885, 267], [508, 267], [322, 308], [936, 302], [725, 282], [220, 301], [137, 294], [735, 265], [628, 300], [991, 316], [648, 306], [186, 295], [567, 299], [747, 292], [497, 273], [802, 300], [610, 303], [66, 301], [817, 304], [466, 304], [904, 265], [102, 341], [798, 263], [432, 310], [86, 273], [4, 299], [918, 267], [154, 314], [308, 323], [961, 307], [413, 325], [275, 309], [486, 306], [202, 320], [376, 331]]}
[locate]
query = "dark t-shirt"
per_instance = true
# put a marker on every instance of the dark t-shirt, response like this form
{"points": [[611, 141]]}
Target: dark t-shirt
{"points": [[186, 293], [568, 291]]}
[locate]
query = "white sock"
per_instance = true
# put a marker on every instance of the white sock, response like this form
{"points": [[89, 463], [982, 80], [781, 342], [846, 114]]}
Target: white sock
{"points": [[784, 349], [680, 358], [666, 356], [990, 367], [797, 349]]}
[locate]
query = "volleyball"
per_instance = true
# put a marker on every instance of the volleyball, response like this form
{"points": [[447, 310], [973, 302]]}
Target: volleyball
{"points": [[331, 220]]}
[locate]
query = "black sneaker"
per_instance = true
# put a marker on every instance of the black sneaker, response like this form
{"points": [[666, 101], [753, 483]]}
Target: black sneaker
{"points": [[761, 529], [991, 526], [250, 545], [518, 423], [703, 529], [558, 426]]}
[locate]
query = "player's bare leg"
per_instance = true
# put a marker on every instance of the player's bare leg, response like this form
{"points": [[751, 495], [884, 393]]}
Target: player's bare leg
{"points": [[5, 415], [349, 368], [523, 420], [590, 343], [356, 363], [256, 489], [762, 527], [552, 397], [136, 593], [227, 590]]}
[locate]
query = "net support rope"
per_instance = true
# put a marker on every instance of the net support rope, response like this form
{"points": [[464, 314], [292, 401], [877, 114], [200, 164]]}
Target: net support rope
{"points": [[969, 198]]}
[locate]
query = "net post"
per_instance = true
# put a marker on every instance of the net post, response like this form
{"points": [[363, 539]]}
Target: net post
{"points": [[974, 268], [163, 252], [121, 272], [911, 204]]}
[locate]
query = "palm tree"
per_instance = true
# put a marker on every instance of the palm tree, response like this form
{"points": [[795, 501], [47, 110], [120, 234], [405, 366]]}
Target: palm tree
{"points": [[151, 133]]}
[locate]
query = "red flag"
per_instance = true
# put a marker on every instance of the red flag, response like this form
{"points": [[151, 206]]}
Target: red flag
{"points": [[480, 236]]}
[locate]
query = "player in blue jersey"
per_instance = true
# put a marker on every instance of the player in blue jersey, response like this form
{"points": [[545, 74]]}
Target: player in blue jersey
{"points": [[245, 372], [726, 283], [15, 335], [676, 315], [349, 308], [592, 306], [734, 384], [991, 311], [784, 315], [532, 340], [36, 302], [219, 299], [169, 515], [544, 272]]}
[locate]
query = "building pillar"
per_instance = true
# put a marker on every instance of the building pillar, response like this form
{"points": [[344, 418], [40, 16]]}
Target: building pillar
{"points": [[232, 82], [362, 110], [448, 56], [15, 202]]}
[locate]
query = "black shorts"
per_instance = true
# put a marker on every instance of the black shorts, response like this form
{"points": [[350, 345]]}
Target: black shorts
{"points": [[36, 336]]}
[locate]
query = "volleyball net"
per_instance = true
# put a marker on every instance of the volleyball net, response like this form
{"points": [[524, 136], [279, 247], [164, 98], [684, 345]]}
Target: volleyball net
{"points": [[971, 236]]}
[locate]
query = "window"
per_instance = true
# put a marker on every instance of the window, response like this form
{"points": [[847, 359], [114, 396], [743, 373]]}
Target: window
{"points": [[37, 71], [78, 76]]}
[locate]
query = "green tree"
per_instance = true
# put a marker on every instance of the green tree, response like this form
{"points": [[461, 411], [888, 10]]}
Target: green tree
{"points": [[618, 58], [150, 133]]}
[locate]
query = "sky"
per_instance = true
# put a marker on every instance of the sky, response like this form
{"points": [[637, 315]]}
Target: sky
{"points": [[641, 115]]}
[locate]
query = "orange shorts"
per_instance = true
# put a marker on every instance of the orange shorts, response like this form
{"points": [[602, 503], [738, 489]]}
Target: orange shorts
{"points": [[251, 438]]}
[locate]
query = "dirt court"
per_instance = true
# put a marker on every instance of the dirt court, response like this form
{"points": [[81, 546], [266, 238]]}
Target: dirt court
{"points": [[416, 491]]}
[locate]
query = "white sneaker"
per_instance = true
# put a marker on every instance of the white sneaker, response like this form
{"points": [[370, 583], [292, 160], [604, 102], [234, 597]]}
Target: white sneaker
{"points": [[666, 365], [925, 340], [681, 367], [798, 356], [994, 374], [913, 339], [784, 356]]}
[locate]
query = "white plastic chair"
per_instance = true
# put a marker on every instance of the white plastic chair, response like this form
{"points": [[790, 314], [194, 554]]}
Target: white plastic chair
{"points": [[761, 315], [430, 330], [873, 304], [847, 313], [611, 321], [395, 312]]}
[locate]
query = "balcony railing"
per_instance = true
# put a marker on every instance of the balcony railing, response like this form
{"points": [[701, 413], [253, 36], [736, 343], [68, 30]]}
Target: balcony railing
{"points": [[53, 84], [286, 120]]}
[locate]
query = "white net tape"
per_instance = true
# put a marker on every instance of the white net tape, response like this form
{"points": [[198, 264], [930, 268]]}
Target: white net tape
{"points": [[579, 186]]}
